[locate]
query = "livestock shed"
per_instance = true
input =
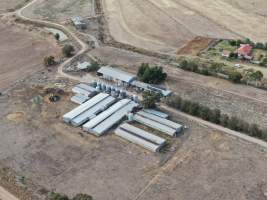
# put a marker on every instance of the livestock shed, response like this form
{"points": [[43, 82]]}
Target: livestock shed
{"points": [[93, 111], [151, 88], [116, 75], [155, 125], [143, 134], [104, 115], [83, 107], [79, 99], [115, 118], [161, 120], [157, 113]]}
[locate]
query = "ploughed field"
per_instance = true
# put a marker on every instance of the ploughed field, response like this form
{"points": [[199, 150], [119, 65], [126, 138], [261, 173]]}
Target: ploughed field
{"points": [[167, 25]]}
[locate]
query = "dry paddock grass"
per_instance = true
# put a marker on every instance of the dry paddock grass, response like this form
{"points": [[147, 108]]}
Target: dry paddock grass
{"points": [[11, 5], [22, 52], [166, 25]]}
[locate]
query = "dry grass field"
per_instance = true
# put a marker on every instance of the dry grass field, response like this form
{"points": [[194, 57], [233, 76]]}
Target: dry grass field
{"points": [[59, 10], [11, 5], [22, 53], [166, 25]]}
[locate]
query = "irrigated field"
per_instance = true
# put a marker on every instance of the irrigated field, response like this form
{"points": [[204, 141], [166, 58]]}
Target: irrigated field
{"points": [[166, 25], [21, 53]]}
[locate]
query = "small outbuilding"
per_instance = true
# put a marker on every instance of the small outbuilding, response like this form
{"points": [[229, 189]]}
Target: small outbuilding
{"points": [[78, 22]]}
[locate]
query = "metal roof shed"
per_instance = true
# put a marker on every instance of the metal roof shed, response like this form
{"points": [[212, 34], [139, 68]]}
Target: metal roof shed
{"points": [[79, 99], [116, 74], [86, 87], [157, 113], [79, 90], [161, 120], [136, 140], [89, 114], [155, 125], [104, 115], [83, 107], [143, 134], [116, 117]]}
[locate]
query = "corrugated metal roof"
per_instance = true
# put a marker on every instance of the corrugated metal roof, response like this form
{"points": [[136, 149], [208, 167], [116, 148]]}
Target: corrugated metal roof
{"points": [[79, 90], [143, 134], [149, 87], [85, 106], [161, 120], [155, 125], [104, 126], [79, 99], [89, 114], [157, 113], [136, 140], [104, 115], [117, 74], [86, 87]]}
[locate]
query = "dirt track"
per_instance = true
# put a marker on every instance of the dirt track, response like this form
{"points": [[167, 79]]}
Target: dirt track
{"points": [[5, 195], [21, 53]]}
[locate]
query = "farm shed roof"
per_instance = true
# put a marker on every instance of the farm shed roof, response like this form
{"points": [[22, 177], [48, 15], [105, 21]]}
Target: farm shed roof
{"points": [[117, 74]]}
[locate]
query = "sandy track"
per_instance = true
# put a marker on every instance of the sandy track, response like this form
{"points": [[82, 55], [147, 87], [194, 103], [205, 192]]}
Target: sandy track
{"points": [[5, 195]]}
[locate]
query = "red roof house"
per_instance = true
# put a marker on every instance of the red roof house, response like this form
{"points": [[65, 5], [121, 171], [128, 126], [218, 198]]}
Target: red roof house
{"points": [[245, 51]]}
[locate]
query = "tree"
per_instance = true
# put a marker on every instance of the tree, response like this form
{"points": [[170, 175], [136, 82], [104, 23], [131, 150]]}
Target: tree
{"points": [[153, 75], [255, 131], [150, 99], [93, 67], [215, 116], [224, 120], [57, 36], [49, 61], [264, 62], [58, 196], [68, 50], [82, 197], [235, 77]]}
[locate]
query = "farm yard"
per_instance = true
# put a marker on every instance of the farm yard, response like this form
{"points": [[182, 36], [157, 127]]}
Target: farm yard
{"points": [[58, 10], [55, 155], [22, 52]]}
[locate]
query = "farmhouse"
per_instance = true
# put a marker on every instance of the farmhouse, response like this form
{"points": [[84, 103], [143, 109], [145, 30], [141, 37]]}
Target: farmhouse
{"points": [[245, 51]]}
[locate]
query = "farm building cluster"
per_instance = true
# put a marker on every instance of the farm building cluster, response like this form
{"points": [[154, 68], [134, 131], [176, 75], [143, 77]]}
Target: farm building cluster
{"points": [[102, 107]]}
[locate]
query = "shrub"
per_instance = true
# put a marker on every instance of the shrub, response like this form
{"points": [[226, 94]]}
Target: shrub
{"points": [[149, 99], [49, 61], [235, 77], [68, 50]]}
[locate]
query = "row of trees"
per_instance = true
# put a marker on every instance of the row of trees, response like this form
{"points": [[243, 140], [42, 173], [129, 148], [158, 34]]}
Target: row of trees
{"points": [[150, 99], [249, 76], [152, 75], [58, 196], [215, 116]]}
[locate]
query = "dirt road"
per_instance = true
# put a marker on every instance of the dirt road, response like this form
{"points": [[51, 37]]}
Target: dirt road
{"points": [[5, 195]]}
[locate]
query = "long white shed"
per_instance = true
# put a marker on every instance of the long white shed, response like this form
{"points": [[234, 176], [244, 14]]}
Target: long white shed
{"points": [[116, 117], [155, 125], [143, 134], [104, 115], [83, 107], [174, 125], [137, 140], [92, 112]]}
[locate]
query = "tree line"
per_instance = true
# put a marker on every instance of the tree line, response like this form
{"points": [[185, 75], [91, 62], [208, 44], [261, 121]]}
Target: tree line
{"points": [[216, 116]]}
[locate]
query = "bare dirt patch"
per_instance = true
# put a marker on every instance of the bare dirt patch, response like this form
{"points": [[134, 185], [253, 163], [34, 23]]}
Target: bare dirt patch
{"points": [[195, 46], [58, 10], [22, 52]]}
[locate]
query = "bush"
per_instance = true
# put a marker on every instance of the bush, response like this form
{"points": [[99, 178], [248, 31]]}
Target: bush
{"points": [[68, 50], [49, 61], [153, 75], [58, 196], [57, 36], [93, 67], [82, 197], [235, 77]]}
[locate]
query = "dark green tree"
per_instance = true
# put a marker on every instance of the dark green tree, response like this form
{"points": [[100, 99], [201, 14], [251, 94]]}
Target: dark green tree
{"points": [[68, 50], [82, 197]]}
